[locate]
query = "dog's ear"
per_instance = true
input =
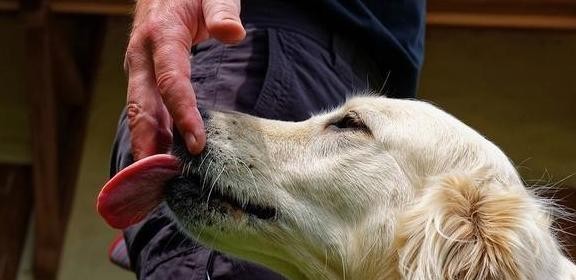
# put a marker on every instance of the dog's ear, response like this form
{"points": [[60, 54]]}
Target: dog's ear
{"points": [[472, 227]]}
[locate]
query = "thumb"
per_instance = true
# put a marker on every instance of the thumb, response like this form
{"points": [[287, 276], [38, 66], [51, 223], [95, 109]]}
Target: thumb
{"points": [[223, 20]]}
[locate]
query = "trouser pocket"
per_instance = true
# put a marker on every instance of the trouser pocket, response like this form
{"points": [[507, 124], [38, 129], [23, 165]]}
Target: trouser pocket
{"points": [[230, 77]]}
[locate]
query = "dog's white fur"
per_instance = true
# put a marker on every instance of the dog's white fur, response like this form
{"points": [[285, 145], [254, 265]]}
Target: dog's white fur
{"points": [[418, 195]]}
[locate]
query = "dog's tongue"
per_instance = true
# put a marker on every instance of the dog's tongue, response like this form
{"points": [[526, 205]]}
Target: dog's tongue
{"points": [[136, 190]]}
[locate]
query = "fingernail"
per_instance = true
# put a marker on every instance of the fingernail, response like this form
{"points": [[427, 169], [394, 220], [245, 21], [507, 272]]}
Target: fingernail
{"points": [[191, 142]]}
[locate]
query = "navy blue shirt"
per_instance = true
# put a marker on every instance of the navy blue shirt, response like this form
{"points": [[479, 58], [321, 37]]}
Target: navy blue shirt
{"points": [[393, 28]]}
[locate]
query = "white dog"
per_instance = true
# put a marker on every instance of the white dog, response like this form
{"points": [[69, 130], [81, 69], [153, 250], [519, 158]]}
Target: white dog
{"points": [[376, 189]]}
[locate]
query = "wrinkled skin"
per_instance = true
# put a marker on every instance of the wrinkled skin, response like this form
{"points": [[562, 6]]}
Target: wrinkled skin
{"points": [[158, 68]]}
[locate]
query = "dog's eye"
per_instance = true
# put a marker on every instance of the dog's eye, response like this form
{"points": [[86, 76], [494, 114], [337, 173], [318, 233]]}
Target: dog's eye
{"points": [[350, 121]]}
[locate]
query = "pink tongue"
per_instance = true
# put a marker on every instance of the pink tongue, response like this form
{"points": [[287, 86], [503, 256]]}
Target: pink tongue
{"points": [[136, 190]]}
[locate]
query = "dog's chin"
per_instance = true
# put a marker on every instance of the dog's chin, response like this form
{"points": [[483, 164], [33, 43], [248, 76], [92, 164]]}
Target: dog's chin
{"points": [[199, 207]]}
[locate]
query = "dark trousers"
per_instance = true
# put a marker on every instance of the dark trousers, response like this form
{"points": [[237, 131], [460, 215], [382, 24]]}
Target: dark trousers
{"points": [[288, 68]]}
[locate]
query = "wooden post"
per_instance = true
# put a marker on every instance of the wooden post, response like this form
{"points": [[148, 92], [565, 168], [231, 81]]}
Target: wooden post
{"points": [[15, 201], [59, 105], [44, 127]]}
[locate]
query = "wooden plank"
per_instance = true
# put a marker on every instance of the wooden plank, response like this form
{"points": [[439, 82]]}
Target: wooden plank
{"points": [[93, 1], [501, 21], [69, 84], [118, 9], [15, 201], [45, 157], [505, 7], [72, 108], [44, 123], [527, 14], [500, 2], [82, 63], [10, 6]]}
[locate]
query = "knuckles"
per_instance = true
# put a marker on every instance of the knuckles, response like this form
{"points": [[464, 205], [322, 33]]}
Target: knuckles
{"points": [[170, 81], [148, 132], [134, 112]]}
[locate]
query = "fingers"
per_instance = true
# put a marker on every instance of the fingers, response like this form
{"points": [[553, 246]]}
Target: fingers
{"points": [[223, 20], [158, 67], [172, 68], [149, 135], [148, 120]]}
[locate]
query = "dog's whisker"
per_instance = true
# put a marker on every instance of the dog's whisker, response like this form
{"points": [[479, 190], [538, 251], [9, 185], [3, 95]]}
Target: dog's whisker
{"points": [[206, 174], [214, 184], [384, 83], [204, 159], [188, 168], [251, 176]]}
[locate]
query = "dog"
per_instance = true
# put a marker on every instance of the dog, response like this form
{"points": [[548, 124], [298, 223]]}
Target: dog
{"points": [[376, 189]]}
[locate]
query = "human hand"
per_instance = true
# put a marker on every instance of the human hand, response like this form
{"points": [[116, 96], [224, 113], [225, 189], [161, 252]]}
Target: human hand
{"points": [[158, 68]]}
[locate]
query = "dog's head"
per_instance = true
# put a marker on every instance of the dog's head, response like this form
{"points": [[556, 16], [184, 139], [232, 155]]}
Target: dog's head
{"points": [[376, 189]]}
